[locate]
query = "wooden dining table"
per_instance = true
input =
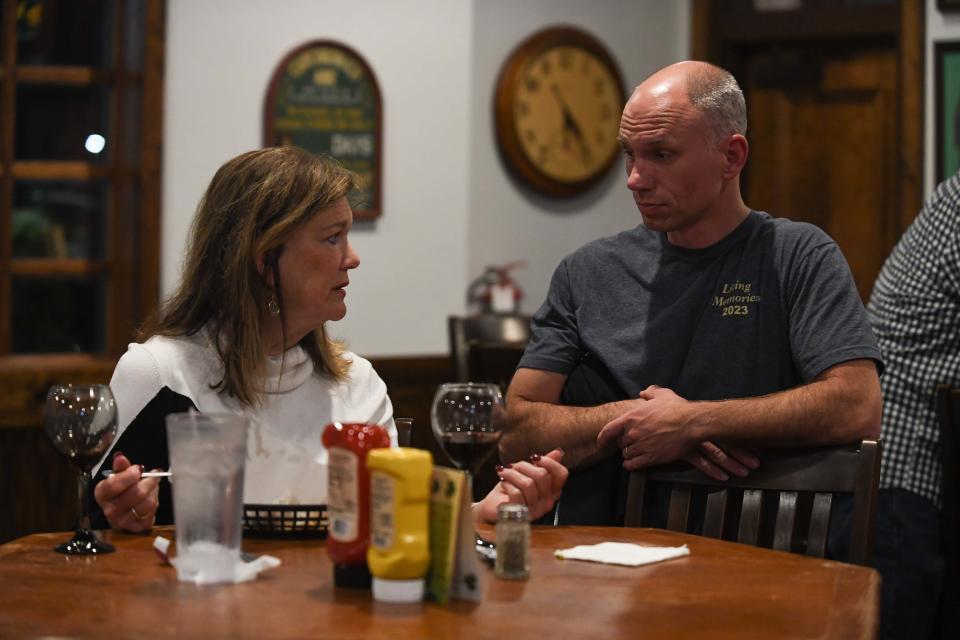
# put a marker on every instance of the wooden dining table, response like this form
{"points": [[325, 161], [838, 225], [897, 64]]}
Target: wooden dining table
{"points": [[721, 590]]}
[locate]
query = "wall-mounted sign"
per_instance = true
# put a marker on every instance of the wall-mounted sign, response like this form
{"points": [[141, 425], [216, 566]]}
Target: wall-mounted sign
{"points": [[324, 98]]}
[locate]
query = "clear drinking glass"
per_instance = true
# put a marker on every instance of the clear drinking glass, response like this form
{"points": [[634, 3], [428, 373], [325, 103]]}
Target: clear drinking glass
{"points": [[81, 421], [207, 456]]}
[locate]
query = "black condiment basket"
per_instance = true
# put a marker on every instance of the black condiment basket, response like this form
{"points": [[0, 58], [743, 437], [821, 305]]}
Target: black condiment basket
{"points": [[285, 520]]}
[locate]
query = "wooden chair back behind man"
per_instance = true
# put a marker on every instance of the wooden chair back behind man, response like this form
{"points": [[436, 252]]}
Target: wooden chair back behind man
{"points": [[785, 504]]}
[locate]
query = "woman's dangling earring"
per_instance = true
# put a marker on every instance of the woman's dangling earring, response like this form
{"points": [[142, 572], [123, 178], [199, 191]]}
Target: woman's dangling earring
{"points": [[273, 307]]}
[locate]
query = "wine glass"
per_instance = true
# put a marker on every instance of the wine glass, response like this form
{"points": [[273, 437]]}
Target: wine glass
{"points": [[81, 421], [467, 420]]}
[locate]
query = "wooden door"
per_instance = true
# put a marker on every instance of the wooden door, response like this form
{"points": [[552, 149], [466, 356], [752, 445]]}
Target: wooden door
{"points": [[825, 151], [835, 103]]}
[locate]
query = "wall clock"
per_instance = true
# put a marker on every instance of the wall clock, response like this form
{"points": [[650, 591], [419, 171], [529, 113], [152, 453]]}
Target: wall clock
{"points": [[557, 111]]}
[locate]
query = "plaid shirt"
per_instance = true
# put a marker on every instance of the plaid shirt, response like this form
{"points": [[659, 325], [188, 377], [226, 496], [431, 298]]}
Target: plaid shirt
{"points": [[915, 312]]}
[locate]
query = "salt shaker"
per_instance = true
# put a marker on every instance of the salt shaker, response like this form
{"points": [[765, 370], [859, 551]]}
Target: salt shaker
{"points": [[513, 542]]}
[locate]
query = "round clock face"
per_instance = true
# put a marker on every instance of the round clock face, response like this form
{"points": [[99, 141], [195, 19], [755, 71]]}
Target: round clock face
{"points": [[558, 107]]}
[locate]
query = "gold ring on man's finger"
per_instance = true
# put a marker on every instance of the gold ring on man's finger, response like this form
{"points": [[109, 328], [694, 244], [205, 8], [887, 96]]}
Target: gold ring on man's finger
{"points": [[136, 515]]}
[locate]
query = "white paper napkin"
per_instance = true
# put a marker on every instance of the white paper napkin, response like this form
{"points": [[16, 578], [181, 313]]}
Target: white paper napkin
{"points": [[622, 553], [242, 571]]}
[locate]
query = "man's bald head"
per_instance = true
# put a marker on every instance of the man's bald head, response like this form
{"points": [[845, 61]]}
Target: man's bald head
{"points": [[713, 91]]}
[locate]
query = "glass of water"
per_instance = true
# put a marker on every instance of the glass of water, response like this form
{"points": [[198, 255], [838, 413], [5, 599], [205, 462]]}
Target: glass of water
{"points": [[207, 454]]}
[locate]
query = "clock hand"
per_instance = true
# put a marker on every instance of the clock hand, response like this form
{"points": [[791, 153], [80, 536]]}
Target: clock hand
{"points": [[570, 124], [567, 120]]}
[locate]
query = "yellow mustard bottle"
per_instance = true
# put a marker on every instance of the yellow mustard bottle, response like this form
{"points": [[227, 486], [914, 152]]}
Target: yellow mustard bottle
{"points": [[399, 551]]}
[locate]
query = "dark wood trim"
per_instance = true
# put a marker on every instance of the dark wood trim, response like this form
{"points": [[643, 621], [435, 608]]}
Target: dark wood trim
{"points": [[118, 226], [841, 22], [57, 267], [25, 380], [911, 67], [700, 32], [147, 263], [76, 76], [411, 383], [8, 58], [12, 365], [948, 6], [60, 170], [39, 486], [426, 367]]}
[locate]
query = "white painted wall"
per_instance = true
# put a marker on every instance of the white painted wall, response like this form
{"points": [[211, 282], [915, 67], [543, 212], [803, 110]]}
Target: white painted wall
{"points": [[448, 207], [509, 222], [940, 27]]}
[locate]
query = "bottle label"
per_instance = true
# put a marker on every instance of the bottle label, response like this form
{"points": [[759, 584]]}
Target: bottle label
{"points": [[343, 492], [381, 510]]}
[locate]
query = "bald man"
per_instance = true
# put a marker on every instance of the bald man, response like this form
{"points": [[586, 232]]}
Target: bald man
{"points": [[707, 331]]}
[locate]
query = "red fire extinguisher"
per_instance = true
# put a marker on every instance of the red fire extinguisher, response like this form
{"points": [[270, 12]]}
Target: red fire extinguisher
{"points": [[495, 291]]}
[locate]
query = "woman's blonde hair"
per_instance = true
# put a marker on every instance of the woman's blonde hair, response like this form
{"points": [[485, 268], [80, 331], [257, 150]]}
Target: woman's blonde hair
{"points": [[254, 203]]}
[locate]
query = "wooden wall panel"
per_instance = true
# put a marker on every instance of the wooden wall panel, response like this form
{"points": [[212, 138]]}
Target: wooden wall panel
{"points": [[38, 488]]}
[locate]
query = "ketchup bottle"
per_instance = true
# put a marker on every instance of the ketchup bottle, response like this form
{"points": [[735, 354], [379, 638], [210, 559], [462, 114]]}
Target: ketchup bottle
{"points": [[348, 504]]}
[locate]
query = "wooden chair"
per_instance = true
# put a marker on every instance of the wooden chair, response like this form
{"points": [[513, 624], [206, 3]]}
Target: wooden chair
{"points": [[798, 484], [487, 348], [948, 416]]}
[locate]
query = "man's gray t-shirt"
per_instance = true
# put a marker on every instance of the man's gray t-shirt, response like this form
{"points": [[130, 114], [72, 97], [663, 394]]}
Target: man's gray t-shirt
{"points": [[770, 306]]}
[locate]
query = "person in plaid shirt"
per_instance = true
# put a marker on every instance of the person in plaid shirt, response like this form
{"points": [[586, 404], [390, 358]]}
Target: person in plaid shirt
{"points": [[915, 312]]}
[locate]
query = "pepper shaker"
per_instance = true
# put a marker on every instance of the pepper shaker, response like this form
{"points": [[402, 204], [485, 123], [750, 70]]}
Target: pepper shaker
{"points": [[513, 542]]}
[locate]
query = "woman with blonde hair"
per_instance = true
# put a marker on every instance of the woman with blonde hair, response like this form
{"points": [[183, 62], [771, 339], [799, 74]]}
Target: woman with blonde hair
{"points": [[267, 265]]}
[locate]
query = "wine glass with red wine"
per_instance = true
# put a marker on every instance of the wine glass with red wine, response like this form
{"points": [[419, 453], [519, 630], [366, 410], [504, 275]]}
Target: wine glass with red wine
{"points": [[467, 419], [81, 421]]}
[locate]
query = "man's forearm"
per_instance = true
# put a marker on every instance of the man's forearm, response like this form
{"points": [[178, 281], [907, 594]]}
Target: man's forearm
{"points": [[825, 412], [842, 405], [536, 427]]}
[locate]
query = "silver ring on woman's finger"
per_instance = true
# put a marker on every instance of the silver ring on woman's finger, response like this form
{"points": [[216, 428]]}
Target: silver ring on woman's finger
{"points": [[136, 515]]}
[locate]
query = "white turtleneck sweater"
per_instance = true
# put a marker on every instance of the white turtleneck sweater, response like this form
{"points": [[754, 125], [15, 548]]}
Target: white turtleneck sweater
{"points": [[286, 462]]}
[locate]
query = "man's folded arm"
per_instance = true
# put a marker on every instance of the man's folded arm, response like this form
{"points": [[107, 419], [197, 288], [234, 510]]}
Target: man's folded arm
{"points": [[536, 423], [841, 405]]}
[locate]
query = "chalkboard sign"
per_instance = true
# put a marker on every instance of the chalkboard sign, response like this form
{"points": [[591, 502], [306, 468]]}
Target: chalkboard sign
{"points": [[324, 98]]}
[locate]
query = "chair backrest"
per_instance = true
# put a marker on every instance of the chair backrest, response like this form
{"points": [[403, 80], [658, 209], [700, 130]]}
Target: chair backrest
{"points": [[486, 348], [948, 416], [801, 483], [404, 431]]}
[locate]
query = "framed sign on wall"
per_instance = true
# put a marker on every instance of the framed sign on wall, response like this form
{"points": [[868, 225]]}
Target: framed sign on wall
{"points": [[946, 82], [324, 97]]}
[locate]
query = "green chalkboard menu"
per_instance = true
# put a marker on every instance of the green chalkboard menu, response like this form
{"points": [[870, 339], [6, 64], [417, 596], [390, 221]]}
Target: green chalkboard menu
{"points": [[324, 98]]}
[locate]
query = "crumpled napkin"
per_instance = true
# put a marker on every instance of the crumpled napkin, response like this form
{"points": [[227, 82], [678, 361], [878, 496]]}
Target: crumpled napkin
{"points": [[242, 570], [622, 553]]}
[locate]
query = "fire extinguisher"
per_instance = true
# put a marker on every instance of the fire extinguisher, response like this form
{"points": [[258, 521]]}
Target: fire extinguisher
{"points": [[495, 291]]}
